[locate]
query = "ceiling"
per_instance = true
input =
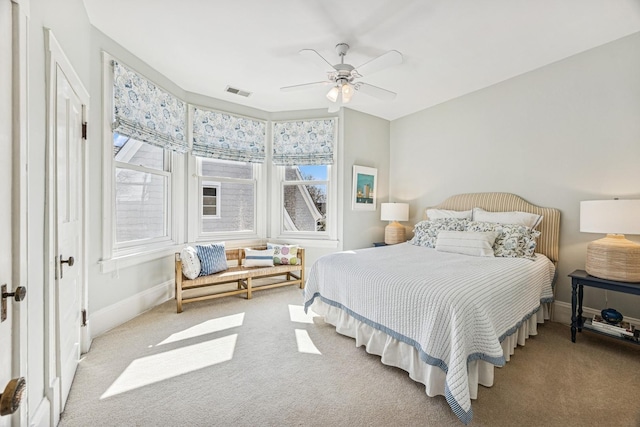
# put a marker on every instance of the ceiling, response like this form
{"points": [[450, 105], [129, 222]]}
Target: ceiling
{"points": [[450, 47]]}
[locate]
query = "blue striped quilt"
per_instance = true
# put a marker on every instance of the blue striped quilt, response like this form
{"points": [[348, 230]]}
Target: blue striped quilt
{"points": [[452, 308]]}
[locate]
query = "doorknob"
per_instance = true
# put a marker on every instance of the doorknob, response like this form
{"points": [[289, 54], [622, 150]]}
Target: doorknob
{"points": [[12, 396], [18, 295], [68, 261]]}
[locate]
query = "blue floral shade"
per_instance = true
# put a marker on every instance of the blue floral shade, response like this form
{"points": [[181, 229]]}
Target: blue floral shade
{"points": [[147, 113], [228, 137], [308, 142]]}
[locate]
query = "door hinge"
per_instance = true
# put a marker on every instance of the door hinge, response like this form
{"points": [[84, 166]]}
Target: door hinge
{"points": [[84, 131], [84, 318]]}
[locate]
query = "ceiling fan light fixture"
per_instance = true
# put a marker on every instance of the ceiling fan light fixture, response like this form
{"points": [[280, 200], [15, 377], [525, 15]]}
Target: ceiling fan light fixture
{"points": [[332, 95], [347, 92]]}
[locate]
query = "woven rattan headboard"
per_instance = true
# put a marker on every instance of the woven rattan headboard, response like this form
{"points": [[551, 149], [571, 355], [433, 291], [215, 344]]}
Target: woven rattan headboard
{"points": [[503, 202]]}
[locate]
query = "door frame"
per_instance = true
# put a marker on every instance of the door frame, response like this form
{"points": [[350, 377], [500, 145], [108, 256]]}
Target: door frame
{"points": [[55, 58], [19, 223]]}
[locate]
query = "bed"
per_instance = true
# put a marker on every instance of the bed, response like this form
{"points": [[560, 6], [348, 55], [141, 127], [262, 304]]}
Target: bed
{"points": [[446, 318]]}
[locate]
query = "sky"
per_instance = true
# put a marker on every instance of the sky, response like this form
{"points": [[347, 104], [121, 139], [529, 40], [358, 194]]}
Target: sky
{"points": [[318, 172]]}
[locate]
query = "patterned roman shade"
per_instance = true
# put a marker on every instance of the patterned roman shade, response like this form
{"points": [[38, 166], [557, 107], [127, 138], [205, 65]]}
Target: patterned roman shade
{"points": [[303, 142], [145, 112], [227, 137]]}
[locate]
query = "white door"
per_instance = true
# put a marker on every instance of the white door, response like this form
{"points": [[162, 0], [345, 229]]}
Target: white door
{"points": [[6, 335], [68, 149]]}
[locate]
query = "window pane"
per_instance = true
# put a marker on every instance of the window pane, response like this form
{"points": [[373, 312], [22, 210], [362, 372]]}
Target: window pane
{"points": [[306, 173], [305, 207], [226, 169], [140, 205], [235, 204], [133, 152]]}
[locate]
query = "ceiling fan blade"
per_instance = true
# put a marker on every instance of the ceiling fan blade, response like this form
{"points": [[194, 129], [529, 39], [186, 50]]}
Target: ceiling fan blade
{"points": [[317, 59], [391, 58], [375, 91], [304, 86]]}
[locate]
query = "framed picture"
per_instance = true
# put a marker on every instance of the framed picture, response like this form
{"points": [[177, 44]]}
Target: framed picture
{"points": [[364, 188]]}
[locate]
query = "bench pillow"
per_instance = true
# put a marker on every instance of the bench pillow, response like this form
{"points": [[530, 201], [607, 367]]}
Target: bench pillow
{"points": [[212, 258], [258, 258], [190, 262], [284, 254]]}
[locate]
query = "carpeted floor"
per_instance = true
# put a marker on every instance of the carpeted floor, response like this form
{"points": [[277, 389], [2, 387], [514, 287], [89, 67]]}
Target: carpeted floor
{"points": [[233, 362]]}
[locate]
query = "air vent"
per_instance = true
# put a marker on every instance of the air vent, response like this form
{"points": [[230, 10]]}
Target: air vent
{"points": [[237, 91]]}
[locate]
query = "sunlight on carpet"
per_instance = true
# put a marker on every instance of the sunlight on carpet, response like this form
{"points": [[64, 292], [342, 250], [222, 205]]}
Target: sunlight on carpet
{"points": [[208, 327], [158, 367], [297, 314], [305, 344]]}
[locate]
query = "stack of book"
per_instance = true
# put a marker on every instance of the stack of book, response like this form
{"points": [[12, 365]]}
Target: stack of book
{"points": [[621, 329]]}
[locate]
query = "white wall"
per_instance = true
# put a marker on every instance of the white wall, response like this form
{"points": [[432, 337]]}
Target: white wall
{"points": [[70, 25], [366, 143], [566, 132]]}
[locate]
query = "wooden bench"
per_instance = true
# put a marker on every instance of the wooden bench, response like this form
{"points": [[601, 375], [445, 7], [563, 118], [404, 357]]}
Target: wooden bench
{"points": [[293, 275]]}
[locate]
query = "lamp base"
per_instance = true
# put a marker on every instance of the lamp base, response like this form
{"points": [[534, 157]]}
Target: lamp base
{"points": [[394, 233], [614, 258]]}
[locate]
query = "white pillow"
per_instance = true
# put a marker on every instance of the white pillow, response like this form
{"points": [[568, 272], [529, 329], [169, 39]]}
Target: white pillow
{"points": [[467, 242], [190, 262], [445, 213], [258, 258], [518, 218]]}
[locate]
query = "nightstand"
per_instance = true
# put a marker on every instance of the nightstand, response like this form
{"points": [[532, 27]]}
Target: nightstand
{"points": [[579, 279]]}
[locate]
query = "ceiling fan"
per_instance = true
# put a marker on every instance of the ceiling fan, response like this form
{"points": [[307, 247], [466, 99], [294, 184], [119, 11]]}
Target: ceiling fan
{"points": [[342, 77]]}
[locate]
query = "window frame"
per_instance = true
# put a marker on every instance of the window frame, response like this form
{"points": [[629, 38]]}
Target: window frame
{"points": [[114, 255], [166, 173], [194, 226], [312, 238], [304, 234], [217, 185]]}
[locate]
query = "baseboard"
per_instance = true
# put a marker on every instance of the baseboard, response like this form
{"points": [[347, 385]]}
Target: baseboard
{"points": [[41, 416], [562, 313], [109, 317]]}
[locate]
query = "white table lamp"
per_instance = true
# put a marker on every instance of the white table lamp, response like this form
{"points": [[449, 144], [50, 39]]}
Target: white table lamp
{"points": [[613, 257], [394, 212]]}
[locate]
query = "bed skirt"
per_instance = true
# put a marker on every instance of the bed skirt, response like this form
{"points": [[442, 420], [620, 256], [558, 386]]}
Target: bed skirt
{"points": [[406, 357]]}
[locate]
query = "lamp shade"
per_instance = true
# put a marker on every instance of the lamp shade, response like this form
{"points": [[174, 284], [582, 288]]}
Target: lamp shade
{"points": [[610, 216], [394, 211]]}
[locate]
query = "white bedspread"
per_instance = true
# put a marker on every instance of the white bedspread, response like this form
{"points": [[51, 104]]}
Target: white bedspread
{"points": [[453, 309]]}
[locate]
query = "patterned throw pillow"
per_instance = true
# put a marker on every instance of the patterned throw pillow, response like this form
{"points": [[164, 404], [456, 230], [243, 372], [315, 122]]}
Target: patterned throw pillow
{"points": [[513, 241], [426, 232], [212, 258], [284, 254], [258, 258], [190, 262]]}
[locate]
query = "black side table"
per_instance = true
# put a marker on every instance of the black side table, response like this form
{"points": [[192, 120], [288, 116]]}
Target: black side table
{"points": [[579, 279]]}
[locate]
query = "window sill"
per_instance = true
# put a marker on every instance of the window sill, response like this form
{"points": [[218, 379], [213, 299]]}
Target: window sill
{"points": [[308, 243], [129, 260]]}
